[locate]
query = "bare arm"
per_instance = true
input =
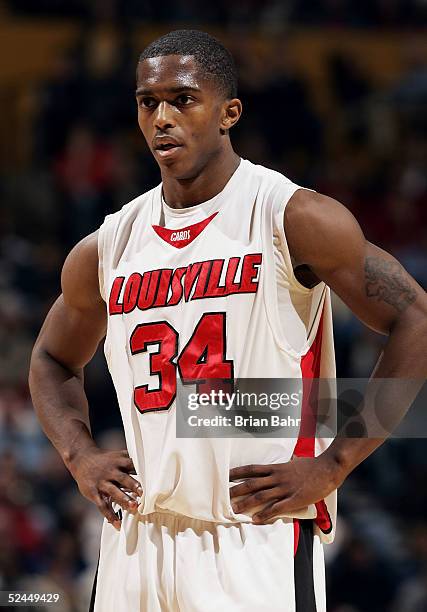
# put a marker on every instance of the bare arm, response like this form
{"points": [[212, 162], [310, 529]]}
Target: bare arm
{"points": [[67, 341], [325, 238], [324, 235]]}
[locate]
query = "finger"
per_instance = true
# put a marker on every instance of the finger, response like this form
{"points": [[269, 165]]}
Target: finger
{"points": [[254, 501], [283, 506], [126, 464], [120, 497], [107, 511], [249, 471], [251, 485], [130, 484]]}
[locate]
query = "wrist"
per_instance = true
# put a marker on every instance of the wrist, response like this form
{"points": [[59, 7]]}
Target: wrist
{"points": [[72, 455], [345, 454], [336, 462]]}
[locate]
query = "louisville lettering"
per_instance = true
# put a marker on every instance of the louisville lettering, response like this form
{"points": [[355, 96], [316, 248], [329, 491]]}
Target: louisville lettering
{"points": [[166, 287]]}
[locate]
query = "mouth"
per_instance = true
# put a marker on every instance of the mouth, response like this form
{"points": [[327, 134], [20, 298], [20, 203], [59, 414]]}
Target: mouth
{"points": [[166, 149]]}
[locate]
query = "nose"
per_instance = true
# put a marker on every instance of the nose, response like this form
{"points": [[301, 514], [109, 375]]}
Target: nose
{"points": [[163, 118]]}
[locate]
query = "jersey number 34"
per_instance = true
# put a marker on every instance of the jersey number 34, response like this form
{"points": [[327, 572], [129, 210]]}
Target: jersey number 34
{"points": [[201, 359]]}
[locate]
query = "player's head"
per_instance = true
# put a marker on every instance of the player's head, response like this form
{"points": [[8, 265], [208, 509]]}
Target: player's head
{"points": [[186, 94]]}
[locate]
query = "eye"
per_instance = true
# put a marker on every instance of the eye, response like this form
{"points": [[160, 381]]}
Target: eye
{"points": [[146, 102], [183, 99]]}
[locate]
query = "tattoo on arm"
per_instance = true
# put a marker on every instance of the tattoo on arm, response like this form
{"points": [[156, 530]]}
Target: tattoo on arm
{"points": [[385, 280]]}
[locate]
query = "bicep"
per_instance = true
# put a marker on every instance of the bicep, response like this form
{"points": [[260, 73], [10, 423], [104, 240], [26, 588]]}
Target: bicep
{"points": [[373, 284], [77, 321]]}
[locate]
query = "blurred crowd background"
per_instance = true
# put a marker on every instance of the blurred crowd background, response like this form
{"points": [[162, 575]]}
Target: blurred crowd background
{"points": [[334, 95]]}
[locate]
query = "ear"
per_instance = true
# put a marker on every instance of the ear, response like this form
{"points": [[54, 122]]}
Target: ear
{"points": [[231, 111]]}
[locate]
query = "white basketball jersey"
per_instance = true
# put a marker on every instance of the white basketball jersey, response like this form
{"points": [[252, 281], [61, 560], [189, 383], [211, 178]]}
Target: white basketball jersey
{"points": [[208, 292]]}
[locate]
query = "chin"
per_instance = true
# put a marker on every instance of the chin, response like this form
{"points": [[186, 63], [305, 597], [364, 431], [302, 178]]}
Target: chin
{"points": [[178, 171]]}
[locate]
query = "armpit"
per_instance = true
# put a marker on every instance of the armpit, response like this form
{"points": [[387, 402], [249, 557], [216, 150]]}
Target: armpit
{"points": [[306, 276]]}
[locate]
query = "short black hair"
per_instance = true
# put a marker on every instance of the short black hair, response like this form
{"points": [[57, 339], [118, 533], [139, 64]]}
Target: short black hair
{"points": [[215, 60]]}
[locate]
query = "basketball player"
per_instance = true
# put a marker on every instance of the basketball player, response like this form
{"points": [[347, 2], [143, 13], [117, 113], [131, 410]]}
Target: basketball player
{"points": [[223, 270]]}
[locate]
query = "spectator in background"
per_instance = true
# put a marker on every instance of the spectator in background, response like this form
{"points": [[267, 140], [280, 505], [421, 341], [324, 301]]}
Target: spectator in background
{"points": [[84, 175]]}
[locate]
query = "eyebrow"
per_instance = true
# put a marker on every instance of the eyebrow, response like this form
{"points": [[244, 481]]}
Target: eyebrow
{"points": [[143, 91]]}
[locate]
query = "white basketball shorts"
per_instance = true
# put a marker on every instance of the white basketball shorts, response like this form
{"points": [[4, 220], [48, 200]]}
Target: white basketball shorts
{"points": [[164, 562]]}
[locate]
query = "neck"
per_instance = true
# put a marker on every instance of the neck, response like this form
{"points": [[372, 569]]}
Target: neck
{"points": [[210, 180]]}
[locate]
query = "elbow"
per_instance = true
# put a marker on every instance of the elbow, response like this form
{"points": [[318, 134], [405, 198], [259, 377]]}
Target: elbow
{"points": [[413, 319], [44, 364]]}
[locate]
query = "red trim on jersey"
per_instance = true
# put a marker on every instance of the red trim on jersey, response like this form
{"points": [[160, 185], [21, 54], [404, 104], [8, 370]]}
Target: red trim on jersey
{"points": [[172, 236], [296, 535], [323, 518], [310, 369]]}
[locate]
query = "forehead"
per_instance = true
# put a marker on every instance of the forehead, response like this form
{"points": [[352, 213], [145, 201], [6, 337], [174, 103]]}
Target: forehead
{"points": [[169, 71]]}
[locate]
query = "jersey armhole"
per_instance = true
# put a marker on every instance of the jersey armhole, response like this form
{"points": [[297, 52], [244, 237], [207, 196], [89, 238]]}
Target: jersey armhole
{"points": [[101, 278], [294, 283]]}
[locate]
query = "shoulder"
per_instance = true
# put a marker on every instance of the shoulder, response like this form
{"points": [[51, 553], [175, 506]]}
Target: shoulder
{"points": [[131, 209], [273, 188], [318, 226], [307, 205], [79, 277], [115, 222], [266, 174]]}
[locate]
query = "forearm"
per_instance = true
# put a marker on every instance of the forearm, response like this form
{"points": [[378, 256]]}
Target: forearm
{"points": [[61, 405], [397, 378]]}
